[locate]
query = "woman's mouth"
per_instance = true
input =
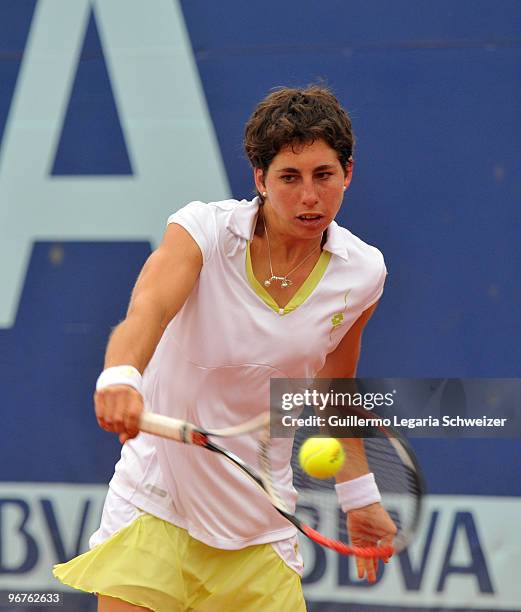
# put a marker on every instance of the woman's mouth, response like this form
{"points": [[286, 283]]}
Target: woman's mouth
{"points": [[310, 219]]}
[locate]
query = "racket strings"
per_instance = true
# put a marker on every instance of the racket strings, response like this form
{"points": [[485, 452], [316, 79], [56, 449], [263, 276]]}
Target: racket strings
{"points": [[397, 482]]}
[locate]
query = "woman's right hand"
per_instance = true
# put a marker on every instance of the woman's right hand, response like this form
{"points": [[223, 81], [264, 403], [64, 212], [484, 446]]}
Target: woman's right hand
{"points": [[118, 409]]}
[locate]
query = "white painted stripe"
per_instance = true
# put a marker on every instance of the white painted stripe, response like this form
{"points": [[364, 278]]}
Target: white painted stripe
{"points": [[494, 519]]}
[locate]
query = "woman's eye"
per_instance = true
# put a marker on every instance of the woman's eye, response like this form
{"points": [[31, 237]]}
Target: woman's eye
{"points": [[324, 175], [287, 178]]}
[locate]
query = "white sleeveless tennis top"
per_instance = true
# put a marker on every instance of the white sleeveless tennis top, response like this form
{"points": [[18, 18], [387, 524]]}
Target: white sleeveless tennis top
{"points": [[213, 366]]}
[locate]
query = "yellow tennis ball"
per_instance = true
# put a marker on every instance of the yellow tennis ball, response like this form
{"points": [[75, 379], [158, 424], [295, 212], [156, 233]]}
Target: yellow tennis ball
{"points": [[321, 457]]}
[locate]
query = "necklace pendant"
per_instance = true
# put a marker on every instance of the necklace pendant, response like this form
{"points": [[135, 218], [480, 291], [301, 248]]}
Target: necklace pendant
{"points": [[284, 282]]}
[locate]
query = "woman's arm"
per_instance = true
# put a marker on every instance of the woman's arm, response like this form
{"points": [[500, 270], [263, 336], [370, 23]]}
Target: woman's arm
{"points": [[370, 524], [164, 284]]}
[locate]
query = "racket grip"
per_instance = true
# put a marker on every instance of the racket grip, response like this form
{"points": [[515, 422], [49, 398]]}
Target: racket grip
{"points": [[166, 427]]}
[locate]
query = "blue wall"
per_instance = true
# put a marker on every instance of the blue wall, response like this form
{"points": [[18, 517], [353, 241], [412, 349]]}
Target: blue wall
{"points": [[434, 91]]}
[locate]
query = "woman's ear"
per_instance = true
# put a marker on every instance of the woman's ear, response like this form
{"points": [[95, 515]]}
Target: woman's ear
{"points": [[258, 175], [348, 173]]}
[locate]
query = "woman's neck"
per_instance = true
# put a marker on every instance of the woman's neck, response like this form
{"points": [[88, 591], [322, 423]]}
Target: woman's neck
{"points": [[281, 244]]}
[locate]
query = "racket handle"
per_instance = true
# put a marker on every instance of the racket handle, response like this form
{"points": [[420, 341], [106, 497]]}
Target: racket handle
{"points": [[166, 427]]}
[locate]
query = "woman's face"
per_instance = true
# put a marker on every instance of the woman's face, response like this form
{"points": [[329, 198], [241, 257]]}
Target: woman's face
{"points": [[305, 187]]}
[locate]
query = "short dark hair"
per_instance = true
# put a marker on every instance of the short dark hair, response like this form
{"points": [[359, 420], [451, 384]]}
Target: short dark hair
{"points": [[291, 116]]}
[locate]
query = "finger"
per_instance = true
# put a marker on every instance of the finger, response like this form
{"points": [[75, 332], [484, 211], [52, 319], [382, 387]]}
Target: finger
{"points": [[101, 414], [114, 414], [97, 405], [105, 404], [127, 410], [131, 417], [360, 567], [99, 408], [387, 541], [370, 570], [106, 426], [123, 437]]}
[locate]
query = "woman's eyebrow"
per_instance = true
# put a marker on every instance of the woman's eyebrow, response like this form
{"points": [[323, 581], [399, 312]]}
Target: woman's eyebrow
{"points": [[296, 170]]}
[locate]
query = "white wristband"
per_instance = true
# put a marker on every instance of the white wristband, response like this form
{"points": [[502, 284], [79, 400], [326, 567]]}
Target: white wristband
{"points": [[120, 375], [357, 493]]}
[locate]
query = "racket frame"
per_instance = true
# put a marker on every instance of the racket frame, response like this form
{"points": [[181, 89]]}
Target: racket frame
{"points": [[188, 433]]}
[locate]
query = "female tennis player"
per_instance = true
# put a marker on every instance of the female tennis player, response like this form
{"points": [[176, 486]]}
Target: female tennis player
{"points": [[237, 292]]}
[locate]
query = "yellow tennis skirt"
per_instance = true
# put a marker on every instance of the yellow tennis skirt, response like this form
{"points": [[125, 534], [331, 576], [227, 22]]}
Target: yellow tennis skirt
{"points": [[154, 564]]}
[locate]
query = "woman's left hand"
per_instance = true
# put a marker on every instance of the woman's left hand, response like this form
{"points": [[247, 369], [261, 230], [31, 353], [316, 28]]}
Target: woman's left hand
{"points": [[370, 526]]}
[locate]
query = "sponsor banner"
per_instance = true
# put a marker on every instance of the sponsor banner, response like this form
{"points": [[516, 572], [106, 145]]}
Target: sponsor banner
{"points": [[42, 524], [431, 407], [466, 553]]}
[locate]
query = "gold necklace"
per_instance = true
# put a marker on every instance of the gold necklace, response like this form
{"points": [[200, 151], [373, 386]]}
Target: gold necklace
{"points": [[284, 280]]}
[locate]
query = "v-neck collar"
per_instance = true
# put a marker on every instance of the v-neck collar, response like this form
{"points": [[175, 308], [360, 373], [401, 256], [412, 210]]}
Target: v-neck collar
{"points": [[303, 292]]}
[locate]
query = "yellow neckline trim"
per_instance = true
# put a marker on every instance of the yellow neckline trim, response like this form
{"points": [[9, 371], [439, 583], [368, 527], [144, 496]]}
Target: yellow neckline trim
{"points": [[303, 292]]}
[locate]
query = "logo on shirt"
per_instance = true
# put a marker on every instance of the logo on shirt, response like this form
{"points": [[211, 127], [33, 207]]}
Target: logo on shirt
{"points": [[338, 318]]}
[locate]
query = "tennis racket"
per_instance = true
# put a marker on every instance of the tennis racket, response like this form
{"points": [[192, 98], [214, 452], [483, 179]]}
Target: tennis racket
{"points": [[317, 514]]}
